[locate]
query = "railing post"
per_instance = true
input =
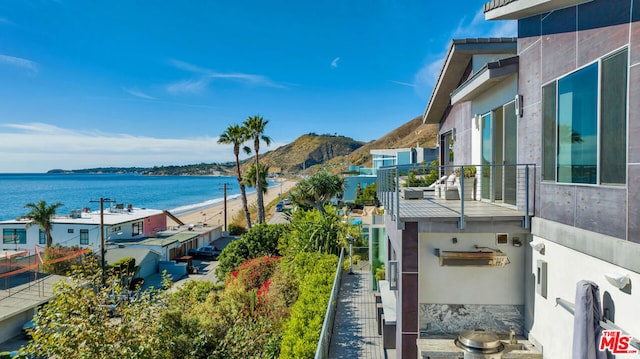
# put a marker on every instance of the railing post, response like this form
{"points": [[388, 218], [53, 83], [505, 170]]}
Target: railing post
{"points": [[397, 204], [526, 198], [461, 222]]}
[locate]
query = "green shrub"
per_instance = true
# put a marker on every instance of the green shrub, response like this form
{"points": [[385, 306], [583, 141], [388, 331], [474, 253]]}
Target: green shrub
{"points": [[260, 240], [302, 330], [380, 275], [236, 230]]}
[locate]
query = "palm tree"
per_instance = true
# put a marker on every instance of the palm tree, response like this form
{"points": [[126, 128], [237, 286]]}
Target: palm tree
{"points": [[315, 191], [42, 214], [254, 127], [250, 179], [236, 135]]}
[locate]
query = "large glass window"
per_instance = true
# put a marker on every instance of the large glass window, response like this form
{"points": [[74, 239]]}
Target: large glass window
{"points": [[584, 124], [42, 237], [14, 236], [84, 236]]}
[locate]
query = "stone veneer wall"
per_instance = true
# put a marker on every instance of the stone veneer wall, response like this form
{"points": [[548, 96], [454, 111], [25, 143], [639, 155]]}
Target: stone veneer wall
{"points": [[440, 319]]}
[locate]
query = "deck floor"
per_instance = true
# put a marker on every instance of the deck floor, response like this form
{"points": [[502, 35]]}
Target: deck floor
{"points": [[355, 331]]}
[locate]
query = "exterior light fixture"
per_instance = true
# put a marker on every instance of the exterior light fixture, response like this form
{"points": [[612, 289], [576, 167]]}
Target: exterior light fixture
{"points": [[537, 246], [618, 280]]}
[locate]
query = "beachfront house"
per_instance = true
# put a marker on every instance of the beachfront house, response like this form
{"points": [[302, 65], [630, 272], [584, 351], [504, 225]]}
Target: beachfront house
{"points": [[553, 202], [457, 251], [123, 227], [578, 81]]}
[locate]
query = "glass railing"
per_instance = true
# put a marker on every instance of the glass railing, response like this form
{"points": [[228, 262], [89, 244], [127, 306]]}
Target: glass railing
{"points": [[506, 185]]}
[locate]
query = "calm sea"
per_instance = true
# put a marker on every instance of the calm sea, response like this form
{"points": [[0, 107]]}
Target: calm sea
{"points": [[178, 194]]}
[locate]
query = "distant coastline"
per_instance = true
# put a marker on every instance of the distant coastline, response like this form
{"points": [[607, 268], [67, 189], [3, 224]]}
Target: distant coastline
{"points": [[202, 169]]}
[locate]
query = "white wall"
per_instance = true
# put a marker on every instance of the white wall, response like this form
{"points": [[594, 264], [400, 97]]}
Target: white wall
{"points": [[553, 325], [470, 285]]}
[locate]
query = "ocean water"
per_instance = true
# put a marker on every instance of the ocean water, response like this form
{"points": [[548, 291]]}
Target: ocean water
{"points": [[178, 194]]}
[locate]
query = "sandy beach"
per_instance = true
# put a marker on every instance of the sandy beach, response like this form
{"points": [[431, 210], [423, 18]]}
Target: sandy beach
{"points": [[214, 215]]}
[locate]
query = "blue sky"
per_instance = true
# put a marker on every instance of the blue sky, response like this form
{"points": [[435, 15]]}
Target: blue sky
{"points": [[143, 83]]}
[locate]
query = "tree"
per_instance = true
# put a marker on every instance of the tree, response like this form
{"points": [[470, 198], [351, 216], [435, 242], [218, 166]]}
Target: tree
{"points": [[250, 179], [317, 190], [87, 320], [254, 127], [41, 214], [236, 135], [261, 240]]}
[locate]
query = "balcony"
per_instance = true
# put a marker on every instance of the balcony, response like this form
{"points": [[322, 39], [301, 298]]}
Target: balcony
{"points": [[484, 193]]}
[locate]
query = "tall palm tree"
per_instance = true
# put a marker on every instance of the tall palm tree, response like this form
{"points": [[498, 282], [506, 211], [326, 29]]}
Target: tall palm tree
{"points": [[41, 214], [250, 179], [236, 135], [254, 127]]}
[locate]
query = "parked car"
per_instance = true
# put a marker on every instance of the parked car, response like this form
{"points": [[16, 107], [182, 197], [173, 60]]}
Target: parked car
{"points": [[209, 252], [286, 201], [279, 207]]}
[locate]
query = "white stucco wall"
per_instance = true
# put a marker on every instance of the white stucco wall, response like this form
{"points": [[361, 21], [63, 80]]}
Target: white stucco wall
{"points": [[553, 325], [470, 285]]}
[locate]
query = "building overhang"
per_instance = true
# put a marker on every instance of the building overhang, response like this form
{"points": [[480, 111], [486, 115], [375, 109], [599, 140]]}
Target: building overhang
{"points": [[455, 64], [488, 76], [519, 9]]}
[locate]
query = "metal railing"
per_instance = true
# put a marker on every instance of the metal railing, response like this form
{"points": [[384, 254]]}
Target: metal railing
{"points": [[322, 350], [509, 185]]}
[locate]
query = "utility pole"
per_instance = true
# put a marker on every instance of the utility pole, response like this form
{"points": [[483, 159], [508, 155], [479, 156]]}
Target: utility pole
{"points": [[102, 249], [225, 207]]}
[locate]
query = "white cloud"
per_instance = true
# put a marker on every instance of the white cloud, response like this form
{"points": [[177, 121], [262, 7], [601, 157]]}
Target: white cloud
{"points": [[206, 76], [31, 66], [38, 147], [137, 93], [334, 63], [426, 77], [404, 83]]}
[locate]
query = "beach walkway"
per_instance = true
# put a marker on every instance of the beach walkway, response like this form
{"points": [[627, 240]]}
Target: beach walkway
{"points": [[355, 330]]}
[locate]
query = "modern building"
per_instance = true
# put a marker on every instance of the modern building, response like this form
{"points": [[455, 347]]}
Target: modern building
{"points": [[580, 100], [546, 120], [401, 156]]}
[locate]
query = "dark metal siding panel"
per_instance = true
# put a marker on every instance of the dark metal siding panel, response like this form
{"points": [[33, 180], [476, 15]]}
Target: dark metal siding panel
{"points": [[634, 116], [634, 204], [602, 210], [460, 118], [410, 247], [529, 27], [557, 203], [593, 43], [603, 13], [558, 55]]}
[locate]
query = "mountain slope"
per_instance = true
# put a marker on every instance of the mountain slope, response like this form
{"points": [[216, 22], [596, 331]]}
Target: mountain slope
{"points": [[307, 151], [408, 135]]}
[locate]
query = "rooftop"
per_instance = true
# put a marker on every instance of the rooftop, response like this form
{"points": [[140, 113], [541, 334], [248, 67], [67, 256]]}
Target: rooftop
{"points": [[111, 217], [518, 9]]}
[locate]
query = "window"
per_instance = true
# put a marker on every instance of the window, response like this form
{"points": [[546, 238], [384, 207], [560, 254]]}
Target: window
{"points": [[393, 275], [584, 124], [136, 228], [84, 236], [115, 229], [42, 237], [14, 236]]}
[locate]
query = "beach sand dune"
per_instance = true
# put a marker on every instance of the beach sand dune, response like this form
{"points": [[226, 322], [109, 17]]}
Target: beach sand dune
{"points": [[214, 215]]}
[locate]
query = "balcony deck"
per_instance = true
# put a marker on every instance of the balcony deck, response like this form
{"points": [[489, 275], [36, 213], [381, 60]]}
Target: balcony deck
{"points": [[430, 208]]}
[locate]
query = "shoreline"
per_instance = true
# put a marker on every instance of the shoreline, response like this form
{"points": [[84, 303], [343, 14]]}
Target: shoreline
{"points": [[213, 215]]}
